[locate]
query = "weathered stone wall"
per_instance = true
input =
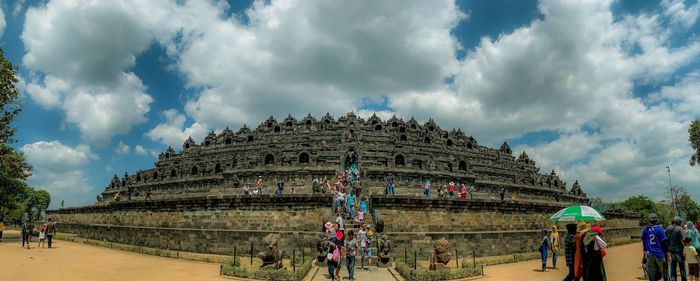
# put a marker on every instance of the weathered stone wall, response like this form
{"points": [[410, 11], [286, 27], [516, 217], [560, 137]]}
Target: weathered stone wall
{"points": [[487, 227], [295, 150], [414, 214], [215, 241], [288, 213], [218, 224]]}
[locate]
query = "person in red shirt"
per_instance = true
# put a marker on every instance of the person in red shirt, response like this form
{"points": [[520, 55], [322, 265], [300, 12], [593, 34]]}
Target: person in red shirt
{"points": [[451, 189]]}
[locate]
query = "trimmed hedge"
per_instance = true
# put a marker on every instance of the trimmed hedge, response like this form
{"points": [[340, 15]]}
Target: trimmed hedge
{"points": [[408, 273], [270, 274]]}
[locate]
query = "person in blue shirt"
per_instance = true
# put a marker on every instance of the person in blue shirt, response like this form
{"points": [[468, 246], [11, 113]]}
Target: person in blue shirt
{"points": [[350, 202], [656, 251], [545, 246]]}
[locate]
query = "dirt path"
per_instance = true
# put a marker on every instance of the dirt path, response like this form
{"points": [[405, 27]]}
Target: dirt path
{"points": [[78, 262], [622, 263]]}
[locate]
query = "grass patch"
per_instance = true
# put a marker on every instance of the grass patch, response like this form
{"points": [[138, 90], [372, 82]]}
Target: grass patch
{"points": [[233, 268]]}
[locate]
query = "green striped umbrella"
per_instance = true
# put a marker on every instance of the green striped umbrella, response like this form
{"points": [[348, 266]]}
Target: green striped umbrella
{"points": [[577, 213]]}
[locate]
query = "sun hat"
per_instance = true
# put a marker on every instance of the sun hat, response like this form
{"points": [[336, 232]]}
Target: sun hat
{"points": [[598, 229], [583, 227], [328, 225]]}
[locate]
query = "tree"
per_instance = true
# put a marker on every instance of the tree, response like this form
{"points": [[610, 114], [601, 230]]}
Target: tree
{"points": [[15, 194], [640, 204], [694, 138], [12, 162], [686, 205], [39, 201], [12, 191], [600, 205]]}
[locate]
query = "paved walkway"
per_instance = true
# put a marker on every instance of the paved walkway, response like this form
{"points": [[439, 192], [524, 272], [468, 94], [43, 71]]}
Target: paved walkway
{"points": [[377, 274]]}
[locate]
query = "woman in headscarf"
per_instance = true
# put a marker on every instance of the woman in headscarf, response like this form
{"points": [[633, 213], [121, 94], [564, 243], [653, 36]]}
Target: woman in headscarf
{"points": [[545, 246], [593, 253], [555, 246], [693, 235]]}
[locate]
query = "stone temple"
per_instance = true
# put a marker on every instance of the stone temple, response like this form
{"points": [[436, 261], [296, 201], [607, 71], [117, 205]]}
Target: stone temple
{"points": [[196, 201], [294, 151]]}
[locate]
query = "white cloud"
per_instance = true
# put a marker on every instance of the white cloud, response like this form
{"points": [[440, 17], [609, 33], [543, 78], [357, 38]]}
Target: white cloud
{"points": [[679, 13], [140, 150], [558, 73], [571, 71], [19, 5], [683, 96], [59, 168], [562, 152], [122, 148], [49, 94], [575, 68], [84, 49], [340, 54], [2, 21], [173, 132]]}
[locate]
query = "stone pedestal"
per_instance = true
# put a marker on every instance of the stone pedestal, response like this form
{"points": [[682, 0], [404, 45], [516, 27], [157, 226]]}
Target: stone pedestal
{"points": [[439, 266]]}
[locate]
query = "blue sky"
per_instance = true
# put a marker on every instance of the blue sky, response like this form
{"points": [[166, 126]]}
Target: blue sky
{"points": [[600, 91]]}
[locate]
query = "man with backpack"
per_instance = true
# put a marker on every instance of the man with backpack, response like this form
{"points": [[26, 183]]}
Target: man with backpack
{"points": [[676, 235], [656, 252]]}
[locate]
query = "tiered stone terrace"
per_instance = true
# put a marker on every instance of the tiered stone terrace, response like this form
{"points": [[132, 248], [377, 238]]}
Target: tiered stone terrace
{"points": [[294, 151]]}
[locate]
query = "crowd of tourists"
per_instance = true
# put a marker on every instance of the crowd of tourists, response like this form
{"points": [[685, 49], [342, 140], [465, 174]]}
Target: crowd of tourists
{"points": [[128, 193], [46, 232], [339, 245], [584, 250], [667, 251]]}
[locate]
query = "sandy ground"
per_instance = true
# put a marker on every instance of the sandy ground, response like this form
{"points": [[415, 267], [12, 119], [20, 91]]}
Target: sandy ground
{"points": [[77, 262], [622, 263]]}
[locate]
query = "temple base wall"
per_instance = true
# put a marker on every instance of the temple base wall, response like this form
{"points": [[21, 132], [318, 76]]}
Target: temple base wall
{"points": [[220, 224]]}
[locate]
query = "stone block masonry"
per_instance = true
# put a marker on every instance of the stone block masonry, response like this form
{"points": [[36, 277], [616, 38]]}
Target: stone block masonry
{"points": [[218, 224], [296, 151], [487, 227]]}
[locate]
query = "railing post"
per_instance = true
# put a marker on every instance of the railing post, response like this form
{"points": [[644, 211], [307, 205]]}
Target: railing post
{"points": [[234, 255], [405, 255], [473, 257], [456, 257], [251, 252], [415, 259], [294, 253]]}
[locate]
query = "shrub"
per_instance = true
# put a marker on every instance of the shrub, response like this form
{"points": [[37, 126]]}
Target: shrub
{"points": [[434, 275], [230, 269]]}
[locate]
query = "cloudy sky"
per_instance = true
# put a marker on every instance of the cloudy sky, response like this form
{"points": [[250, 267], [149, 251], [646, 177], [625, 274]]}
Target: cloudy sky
{"points": [[600, 91]]}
